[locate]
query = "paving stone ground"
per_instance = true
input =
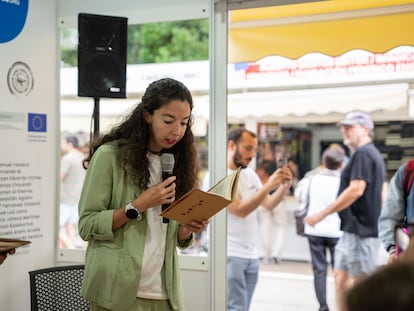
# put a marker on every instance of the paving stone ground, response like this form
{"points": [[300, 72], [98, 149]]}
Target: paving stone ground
{"points": [[288, 286]]}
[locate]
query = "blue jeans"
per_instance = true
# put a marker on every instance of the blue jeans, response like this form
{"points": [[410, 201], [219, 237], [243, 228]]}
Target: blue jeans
{"points": [[242, 276]]}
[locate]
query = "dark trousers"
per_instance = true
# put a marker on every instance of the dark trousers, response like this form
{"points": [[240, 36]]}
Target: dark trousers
{"points": [[318, 246]]}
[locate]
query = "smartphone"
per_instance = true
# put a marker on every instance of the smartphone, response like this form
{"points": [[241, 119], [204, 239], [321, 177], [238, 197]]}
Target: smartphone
{"points": [[281, 162]]}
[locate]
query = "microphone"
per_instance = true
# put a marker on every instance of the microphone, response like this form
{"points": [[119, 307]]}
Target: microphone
{"points": [[167, 166]]}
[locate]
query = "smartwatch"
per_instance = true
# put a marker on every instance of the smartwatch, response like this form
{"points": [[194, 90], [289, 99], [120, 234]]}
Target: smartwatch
{"points": [[132, 212]]}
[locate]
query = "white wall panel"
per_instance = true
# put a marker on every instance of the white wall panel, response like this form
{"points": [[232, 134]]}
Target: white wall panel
{"points": [[28, 158]]}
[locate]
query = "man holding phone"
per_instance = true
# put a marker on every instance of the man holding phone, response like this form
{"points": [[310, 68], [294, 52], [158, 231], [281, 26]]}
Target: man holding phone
{"points": [[242, 221]]}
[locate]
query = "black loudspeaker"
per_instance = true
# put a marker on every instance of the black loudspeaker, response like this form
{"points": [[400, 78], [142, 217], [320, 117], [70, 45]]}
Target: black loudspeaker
{"points": [[102, 53]]}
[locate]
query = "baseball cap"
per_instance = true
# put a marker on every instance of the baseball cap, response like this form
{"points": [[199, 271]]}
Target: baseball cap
{"points": [[359, 118]]}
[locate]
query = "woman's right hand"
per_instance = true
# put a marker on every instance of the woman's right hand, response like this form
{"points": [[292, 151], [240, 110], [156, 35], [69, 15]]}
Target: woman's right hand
{"points": [[161, 193], [158, 194]]}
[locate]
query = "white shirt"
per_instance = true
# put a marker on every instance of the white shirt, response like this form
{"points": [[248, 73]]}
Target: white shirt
{"points": [[152, 282], [242, 232], [323, 189]]}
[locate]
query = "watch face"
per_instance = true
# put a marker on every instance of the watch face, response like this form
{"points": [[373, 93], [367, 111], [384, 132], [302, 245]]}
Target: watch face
{"points": [[131, 213]]}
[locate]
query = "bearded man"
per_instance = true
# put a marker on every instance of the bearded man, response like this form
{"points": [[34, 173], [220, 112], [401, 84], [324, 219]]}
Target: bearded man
{"points": [[242, 220]]}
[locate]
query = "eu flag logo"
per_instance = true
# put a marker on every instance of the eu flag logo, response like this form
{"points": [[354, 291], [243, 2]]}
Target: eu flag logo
{"points": [[36, 122]]}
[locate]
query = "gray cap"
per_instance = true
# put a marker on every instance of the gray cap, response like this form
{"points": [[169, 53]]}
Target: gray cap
{"points": [[359, 118]]}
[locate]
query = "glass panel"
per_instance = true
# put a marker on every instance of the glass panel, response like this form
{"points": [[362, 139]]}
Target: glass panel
{"points": [[154, 50]]}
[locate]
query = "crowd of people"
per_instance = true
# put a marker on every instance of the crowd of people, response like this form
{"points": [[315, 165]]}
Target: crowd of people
{"points": [[369, 213], [358, 204], [114, 200], [350, 212]]}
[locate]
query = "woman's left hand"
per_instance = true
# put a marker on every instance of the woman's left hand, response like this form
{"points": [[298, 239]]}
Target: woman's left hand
{"points": [[186, 229], [197, 227], [3, 255]]}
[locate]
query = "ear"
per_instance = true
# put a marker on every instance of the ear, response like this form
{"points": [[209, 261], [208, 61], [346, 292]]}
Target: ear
{"points": [[231, 145], [147, 116]]}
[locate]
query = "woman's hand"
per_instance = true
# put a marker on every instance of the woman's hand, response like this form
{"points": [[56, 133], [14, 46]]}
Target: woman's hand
{"points": [[186, 229], [156, 195], [161, 193], [3, 256]]}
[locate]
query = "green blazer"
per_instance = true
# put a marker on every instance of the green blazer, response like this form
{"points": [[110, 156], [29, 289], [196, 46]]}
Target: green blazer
{"points": [[113, 261]]}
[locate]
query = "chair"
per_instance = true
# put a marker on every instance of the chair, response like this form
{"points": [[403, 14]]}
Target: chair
{"points": [[57, 288]]}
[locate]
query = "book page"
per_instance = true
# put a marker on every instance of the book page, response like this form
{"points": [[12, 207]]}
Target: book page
{"points": [[8, 244], [226, 187], [198, 205]]}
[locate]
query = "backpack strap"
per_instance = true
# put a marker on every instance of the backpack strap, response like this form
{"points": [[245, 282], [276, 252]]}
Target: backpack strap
{"points": [[408, 179]]}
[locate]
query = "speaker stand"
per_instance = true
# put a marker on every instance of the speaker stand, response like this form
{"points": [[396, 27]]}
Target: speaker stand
{"points": [[95, 117]]}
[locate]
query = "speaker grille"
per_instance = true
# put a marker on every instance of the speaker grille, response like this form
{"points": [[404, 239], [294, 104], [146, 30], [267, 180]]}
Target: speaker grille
{"points": [[102, 56]]}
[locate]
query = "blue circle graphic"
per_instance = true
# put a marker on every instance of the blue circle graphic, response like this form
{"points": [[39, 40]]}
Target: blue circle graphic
{"points": [[13, 15]]}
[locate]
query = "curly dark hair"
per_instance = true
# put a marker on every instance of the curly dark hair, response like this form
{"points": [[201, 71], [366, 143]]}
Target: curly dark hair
{"points": [[133, 133]]}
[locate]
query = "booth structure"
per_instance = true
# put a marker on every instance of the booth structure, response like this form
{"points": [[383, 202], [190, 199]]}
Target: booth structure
{"points": [[30, 110]]}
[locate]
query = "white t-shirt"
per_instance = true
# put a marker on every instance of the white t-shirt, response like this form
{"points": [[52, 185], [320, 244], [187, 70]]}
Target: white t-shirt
{"points": [[242, 232], [152, 282], [323, 189]]}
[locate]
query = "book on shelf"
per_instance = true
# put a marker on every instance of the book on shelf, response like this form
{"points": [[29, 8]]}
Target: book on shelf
{"points": [[198, 205], [8, 244]]}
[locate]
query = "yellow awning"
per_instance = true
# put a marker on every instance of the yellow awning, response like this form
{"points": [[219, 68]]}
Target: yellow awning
{"points": [[330, 27]]}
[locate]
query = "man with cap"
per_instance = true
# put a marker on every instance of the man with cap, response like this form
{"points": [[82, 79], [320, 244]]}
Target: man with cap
{"points": [[358, 204]]}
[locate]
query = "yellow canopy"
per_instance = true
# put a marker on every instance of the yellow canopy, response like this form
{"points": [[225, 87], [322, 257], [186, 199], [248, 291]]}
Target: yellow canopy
{"points": [[330, 27]]}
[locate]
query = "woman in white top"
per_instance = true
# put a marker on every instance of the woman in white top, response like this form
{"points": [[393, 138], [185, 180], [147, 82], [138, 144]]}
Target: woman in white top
{"points": [[321, 190]]}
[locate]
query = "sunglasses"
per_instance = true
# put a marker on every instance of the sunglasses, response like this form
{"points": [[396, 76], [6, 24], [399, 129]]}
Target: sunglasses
{"points": [[402, 235]]}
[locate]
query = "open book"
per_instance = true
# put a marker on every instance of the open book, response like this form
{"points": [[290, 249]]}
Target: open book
{"points": [[199, 205], [8, 244]]}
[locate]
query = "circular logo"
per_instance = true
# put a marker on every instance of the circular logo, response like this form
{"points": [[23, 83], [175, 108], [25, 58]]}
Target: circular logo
{"points": [[20, 79]]}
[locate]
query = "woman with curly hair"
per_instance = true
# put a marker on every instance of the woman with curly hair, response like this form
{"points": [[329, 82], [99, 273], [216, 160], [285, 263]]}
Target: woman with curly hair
{"points": [[131, 258]]}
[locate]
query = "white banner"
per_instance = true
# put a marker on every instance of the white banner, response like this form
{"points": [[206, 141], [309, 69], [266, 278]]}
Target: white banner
{"points": [[28, 157]]}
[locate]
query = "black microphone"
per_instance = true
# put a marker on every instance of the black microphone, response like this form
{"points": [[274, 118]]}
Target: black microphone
{"points": [[167, 166]]}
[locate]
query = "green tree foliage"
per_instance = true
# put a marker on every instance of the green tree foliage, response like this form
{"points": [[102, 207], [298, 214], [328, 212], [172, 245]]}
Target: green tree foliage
{"points": [[69, 47], [153, 43], [168, 42]]}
